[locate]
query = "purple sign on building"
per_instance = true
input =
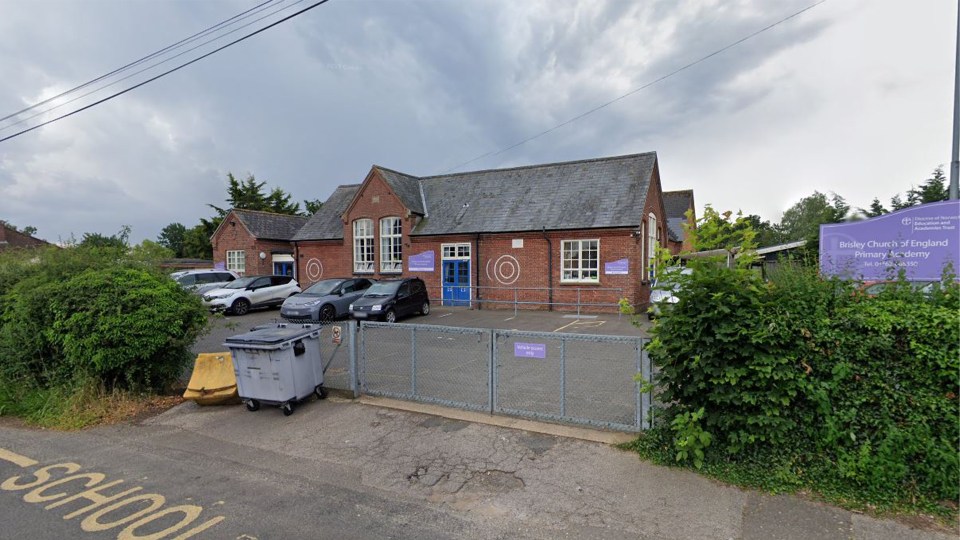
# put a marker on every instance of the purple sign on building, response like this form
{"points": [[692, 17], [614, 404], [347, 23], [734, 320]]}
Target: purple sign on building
{"points": [[421, 262], [920, 240], [530, 350], [617, 267]]}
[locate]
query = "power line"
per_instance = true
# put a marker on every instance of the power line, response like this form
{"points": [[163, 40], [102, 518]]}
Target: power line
{"points": [[635, 90], [139, 61], [148, 68], [165, 73]]}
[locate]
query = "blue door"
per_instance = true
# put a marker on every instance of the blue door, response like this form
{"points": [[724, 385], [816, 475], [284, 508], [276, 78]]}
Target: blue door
{"points": [[456, 283]]}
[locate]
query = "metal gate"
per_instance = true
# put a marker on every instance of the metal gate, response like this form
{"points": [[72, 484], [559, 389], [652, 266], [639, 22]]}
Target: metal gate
{"points": [[570, 378]]}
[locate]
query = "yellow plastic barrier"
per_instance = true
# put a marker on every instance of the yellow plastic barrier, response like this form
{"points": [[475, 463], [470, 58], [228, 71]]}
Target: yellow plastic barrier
{"points": [[213, 381]]}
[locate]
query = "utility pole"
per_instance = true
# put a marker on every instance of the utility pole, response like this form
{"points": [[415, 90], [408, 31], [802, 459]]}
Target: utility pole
{"points": [[955, 162]]}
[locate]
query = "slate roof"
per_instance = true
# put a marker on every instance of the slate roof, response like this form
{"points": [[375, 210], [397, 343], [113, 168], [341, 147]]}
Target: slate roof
{"points": [[406, 187], [675, 204], [326, 224], [587, 194], [270, 226]]}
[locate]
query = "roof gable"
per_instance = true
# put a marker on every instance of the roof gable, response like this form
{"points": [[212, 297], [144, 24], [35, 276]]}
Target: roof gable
{"points": [[587, 194], [269, 225], [327, 223], [406, 187]]}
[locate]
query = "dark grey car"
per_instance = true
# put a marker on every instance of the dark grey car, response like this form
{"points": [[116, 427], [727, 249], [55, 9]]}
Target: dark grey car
{"points": [[324, 300], [389, 300]]}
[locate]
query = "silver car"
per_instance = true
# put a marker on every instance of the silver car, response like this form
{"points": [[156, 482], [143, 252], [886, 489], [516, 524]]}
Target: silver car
{"points": [[201, 281], [324, 300], [665, 288]]}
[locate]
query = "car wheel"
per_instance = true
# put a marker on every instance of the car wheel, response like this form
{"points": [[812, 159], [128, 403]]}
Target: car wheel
{"points": [[328, 313], [425, 308], [390, 316], [240, 307]]}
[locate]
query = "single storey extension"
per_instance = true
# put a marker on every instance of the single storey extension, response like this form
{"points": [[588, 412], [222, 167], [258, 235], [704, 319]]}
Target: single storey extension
{"points": [[560, 234]]}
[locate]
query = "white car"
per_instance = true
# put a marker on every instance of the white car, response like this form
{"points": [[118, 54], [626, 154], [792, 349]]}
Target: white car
{"points": [[246, 293], [201, 281], [664, 289]]}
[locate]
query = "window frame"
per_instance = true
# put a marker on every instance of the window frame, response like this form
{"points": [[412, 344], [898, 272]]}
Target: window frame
{"points": [[391, 245], [235, 262], [363, 245], [580, 268], [653, 238]]}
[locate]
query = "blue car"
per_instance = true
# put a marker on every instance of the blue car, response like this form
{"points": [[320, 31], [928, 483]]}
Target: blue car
{"points": [[324, 300]]}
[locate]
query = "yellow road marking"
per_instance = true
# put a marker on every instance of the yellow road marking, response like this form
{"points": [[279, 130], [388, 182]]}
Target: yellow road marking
{"points": [[17, 459]]}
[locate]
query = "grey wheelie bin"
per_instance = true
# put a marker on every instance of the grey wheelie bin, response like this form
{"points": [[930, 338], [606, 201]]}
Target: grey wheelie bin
{"points": [[278, 365]]}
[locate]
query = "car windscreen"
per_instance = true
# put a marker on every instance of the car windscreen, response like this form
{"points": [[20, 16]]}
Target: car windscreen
{"points": [[323, 288], [240, 283], [383, 289]]}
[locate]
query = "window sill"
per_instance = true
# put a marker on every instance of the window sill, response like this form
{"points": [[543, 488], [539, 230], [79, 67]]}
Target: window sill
{"points": [[579, 282]]}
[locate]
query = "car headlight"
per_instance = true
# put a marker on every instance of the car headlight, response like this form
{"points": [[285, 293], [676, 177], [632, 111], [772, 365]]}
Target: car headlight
{"points": [[376, 307], [350, 308]]}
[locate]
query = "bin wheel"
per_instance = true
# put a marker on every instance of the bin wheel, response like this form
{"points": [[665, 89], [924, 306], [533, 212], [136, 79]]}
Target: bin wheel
{"points": [[320, 391], [287, 408], [253, 405]]}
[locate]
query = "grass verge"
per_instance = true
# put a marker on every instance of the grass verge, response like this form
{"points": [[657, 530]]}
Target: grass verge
{"points": [[78, 406], [809, 476]]}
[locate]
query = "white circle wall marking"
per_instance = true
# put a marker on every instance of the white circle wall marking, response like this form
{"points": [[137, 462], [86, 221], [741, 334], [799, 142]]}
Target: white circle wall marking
{"points": [[314, 269]]}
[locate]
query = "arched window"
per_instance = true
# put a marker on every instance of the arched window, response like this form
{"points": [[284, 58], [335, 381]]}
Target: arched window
{"points": [[391, 245], [653, 236], [363, 246]]}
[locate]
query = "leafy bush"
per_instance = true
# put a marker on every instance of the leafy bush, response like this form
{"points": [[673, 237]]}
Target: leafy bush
{"points": [[831, 388], [92, 315]]}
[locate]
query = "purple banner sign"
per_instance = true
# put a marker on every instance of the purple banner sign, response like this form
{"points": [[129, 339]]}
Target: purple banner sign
{"points": [[220, 266], [920, 240], [421, 262], [617, 267], [530, 350]]}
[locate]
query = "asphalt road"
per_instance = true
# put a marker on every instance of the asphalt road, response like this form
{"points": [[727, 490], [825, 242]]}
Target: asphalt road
{"points": [[342, 469]]}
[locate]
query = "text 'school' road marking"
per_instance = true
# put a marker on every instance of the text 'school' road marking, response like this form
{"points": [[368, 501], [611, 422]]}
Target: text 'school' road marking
{"points": [[106, 506]]}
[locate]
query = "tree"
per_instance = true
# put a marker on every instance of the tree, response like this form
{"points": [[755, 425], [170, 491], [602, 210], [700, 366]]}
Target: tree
{"points": [[97, 240], [172, 237], [767, 233], [933, 189], [720, 231], [313, 206], [196, 240], [802, 220], [249, 195], [876, 209]]}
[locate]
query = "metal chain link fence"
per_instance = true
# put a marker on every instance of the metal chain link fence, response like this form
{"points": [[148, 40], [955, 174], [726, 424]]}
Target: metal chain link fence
{"points": [[571, 378]]}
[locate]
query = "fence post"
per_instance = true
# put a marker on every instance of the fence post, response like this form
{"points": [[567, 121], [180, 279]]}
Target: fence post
{"points": [[494, 375], [491, 358], [362, 358], [515, 299], [563, 377], [413, 361], [351, 344], [644, 398], [578, 302]]}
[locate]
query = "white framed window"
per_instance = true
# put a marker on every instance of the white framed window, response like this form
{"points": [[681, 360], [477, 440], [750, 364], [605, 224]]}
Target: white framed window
{"points": [[456, 251], [391, 245], [363, 246], [580, 261], [237, 261], [653, 237]]}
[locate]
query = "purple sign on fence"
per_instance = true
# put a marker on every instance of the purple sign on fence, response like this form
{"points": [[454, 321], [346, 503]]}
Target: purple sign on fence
{"points": [[530, 350], [617, 267], [421, 262], [920, 240]]}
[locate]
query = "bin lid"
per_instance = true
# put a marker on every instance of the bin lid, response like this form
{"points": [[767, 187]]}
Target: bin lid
{"points": [[272, 335]]}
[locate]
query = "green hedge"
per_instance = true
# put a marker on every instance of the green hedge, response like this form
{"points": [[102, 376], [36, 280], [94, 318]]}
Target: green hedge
{"points": [[858, 392], [93, 315]]}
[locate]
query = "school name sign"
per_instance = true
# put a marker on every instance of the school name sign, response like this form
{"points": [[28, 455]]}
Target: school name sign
{"points": [[920, 240]]}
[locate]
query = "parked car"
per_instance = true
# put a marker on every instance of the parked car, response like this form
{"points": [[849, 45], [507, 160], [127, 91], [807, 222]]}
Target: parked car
{"points": [[243, 294], [873, 288], [391, 299], [201, 281], [324, 300], [664, 289]]}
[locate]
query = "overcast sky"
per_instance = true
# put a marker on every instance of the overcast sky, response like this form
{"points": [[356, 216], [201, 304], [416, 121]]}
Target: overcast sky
{"points": [[853, 96]]}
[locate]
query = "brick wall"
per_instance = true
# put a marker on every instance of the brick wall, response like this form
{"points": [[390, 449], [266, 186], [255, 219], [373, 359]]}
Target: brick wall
{"points": [[234, 236], [10, 239]]}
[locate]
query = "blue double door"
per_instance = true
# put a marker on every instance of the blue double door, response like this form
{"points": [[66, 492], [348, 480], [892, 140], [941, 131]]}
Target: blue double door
{"points": [[456, 283]]}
